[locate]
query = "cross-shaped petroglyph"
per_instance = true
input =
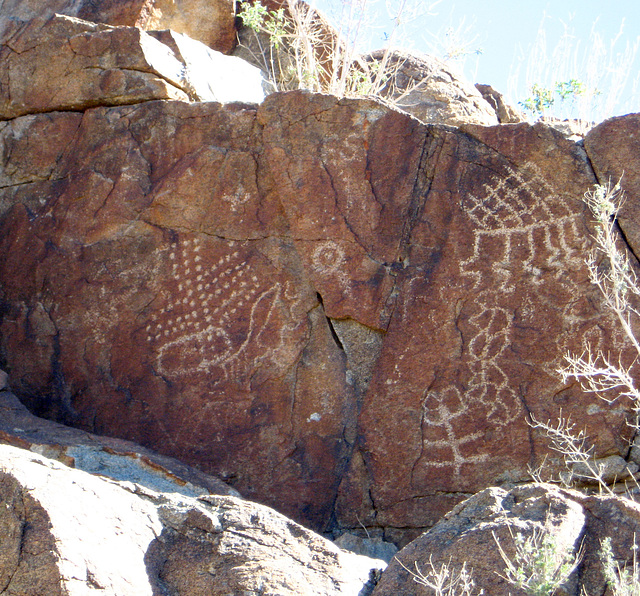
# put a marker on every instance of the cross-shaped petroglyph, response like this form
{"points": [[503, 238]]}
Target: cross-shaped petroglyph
{"points": [[210, 314], [526, 238]]}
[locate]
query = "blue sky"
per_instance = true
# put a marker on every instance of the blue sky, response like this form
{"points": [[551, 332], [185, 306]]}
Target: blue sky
{"points": [[514, 52]]}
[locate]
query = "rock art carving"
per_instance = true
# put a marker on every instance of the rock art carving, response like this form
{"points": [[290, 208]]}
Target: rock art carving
{"points": [[212, 312], [532, 237]]}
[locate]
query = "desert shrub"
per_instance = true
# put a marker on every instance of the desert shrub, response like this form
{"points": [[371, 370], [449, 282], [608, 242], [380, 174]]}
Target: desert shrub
{"points": [[444, 580], [623, 580], [540, 564], [302, 50]]}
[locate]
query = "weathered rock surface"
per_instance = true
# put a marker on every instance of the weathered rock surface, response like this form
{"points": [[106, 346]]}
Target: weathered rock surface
{"points": [[613, 148], [63, 63], [472, 530], [68, 532], [208, 21], [428, 89], [506, 113], [342, 312], [111, 457]]}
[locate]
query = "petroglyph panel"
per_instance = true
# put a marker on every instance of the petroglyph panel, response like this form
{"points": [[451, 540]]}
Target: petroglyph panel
{"points": [[216, 307], [521, 270]]}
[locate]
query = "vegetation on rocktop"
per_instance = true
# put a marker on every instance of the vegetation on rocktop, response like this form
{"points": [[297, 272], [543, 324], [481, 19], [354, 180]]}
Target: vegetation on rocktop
{"points": [[298, 48], [567, 80]]}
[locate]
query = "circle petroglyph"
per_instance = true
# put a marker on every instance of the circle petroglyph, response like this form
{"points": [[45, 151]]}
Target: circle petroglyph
{"points": [[328, 257]]}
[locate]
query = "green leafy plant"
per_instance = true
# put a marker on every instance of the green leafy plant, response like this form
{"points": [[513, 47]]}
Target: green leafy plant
{"points": [[587, 79], [543, 98], [622, 580], [540, 564]]}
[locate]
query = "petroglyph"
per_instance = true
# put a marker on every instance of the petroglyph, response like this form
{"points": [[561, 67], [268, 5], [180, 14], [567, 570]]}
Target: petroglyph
{"points": [[211, 313], [525, 237], [329, 259]]}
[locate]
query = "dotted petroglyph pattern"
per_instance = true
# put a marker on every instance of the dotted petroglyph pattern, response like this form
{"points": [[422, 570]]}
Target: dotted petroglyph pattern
{"points": [[210, 315], [526, 237]]}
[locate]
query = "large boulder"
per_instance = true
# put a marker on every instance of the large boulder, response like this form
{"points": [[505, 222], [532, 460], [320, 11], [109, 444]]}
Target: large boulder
{"points": [[68, 532], [431, 90], [258, 291], [208, 21], [344, 313], [567, 525], [64, 63]]}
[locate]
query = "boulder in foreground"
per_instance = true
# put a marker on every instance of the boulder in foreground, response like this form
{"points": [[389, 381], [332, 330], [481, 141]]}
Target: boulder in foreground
{"points": [[68, 532]]}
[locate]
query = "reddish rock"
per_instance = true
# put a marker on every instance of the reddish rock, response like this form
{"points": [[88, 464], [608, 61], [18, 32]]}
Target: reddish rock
{"points": [[211, 22], [107, 456], [493, 294], [613, 148], [206, 341], [171, 273]]}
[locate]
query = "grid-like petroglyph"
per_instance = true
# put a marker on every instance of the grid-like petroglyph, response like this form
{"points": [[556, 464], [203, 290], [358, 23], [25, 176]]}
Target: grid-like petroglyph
{"points": [[525, 240], [208, 315]]}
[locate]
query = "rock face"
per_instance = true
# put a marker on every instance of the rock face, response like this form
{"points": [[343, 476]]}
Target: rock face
{"points": [[613, 147], [62, 63], [342, 312], [211, 22], [68, 532], [574, 523], [506, 113]]}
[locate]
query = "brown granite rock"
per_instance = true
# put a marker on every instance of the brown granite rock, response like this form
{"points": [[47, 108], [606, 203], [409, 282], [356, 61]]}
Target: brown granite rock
{"points": [[493, 294], [613, 148], [344, 313], [574, 523], [68, 532], [211, 22], [207, 341], [506, 113], [63, 63]]}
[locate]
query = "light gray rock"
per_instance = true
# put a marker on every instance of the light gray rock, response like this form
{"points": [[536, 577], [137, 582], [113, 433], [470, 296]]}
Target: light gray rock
{"points": [[114, 458], [68, 532], [369, 547], [612, 469], [430, 90], [212, 76], [569, 522]]}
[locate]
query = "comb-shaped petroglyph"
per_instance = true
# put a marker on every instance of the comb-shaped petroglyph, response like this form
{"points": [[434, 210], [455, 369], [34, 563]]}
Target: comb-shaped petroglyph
{"points": [[525, 239], [208, 317]]}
